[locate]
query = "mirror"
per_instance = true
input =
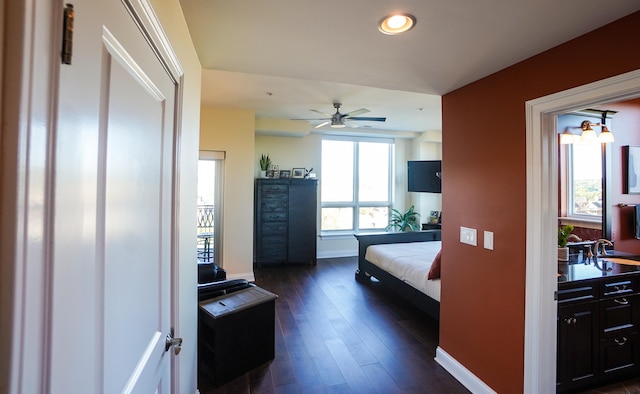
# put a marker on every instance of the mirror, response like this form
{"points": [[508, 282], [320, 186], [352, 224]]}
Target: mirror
{"points": [[584, 175]]}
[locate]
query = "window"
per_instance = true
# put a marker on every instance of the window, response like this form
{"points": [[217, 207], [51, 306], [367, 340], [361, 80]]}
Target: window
{"points": [[584, 181], [356, 184], [209, 206]]}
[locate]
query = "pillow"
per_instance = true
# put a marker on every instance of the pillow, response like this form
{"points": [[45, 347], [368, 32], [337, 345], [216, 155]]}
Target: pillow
{"points": [[434, 271]]}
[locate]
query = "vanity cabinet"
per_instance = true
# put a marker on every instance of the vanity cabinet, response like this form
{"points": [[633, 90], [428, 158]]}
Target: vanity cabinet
{"points": [[578, 325], [598, 331], [285, 221], [619, 319]]}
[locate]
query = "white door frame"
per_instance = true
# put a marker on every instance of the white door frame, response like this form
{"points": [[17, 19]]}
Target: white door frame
{"points": [[28, 119], [31, 66], [152, 29], [542, 213]]}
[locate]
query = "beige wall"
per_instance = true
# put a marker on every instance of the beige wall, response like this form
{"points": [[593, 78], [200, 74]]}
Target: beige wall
{"points": [[290, 152], [232, 131], [427, 147]]}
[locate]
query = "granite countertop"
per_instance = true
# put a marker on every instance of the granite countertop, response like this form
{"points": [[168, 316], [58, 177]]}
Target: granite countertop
{"points": [[579, 267]]}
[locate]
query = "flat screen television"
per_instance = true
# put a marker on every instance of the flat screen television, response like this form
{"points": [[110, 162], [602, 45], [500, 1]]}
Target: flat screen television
{"points": [[424, 176]]}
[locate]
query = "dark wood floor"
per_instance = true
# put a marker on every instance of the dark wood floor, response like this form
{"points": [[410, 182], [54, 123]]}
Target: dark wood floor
{"points": [[334, 335], [628, 387]]}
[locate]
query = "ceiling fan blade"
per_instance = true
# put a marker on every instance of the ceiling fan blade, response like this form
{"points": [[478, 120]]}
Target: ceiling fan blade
{"points": [[367, 119], [322, 124], [310, 119], [321, 113], [357, 112]]}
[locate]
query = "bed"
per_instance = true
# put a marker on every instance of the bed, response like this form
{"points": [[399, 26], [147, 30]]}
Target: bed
{"points": [[402, 261]]}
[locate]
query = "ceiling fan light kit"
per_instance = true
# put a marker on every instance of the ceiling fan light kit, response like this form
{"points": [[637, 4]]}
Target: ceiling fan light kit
{"points": [[338, 120], [396, 23]]}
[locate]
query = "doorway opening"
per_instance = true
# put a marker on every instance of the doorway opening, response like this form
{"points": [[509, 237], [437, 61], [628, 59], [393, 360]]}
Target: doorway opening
{"points": [[209, 207], [542, 210]]}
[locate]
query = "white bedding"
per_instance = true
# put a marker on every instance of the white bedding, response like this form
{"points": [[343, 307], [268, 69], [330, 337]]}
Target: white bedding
{"points": [[409, 262]]}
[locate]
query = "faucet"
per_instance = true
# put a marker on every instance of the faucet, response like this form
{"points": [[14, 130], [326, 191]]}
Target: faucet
{"points": [[602, 242]]}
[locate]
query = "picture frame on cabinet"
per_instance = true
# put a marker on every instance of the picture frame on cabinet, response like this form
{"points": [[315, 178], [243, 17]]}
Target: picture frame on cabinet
{"points": [[285, 173], [276, 171], [631, 155], [297, 173]]}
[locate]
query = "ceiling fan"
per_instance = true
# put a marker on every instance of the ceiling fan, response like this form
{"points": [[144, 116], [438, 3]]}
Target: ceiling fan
{"points": [[337, 120]]}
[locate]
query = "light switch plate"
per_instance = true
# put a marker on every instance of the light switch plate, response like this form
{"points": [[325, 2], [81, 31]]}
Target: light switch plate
{"points": [[469, 236], [488, 240]]}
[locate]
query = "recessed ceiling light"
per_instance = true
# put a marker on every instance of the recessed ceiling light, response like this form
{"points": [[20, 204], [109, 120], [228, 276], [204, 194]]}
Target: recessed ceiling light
{"points": [[396, 23]]}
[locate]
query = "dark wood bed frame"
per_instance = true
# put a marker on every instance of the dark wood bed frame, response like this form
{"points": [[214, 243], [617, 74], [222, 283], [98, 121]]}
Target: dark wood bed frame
{"points": [[366, 269]]}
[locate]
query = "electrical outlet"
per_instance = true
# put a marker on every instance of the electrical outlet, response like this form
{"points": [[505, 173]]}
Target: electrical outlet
{"points": [[469, 236], [488, 240]]}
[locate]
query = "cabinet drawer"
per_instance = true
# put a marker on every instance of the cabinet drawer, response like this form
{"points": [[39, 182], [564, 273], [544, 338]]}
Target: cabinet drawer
{"points": [[273, 241], [269, 228], [619, 355], [618, 314], [275, 188], [274, 216], [576, 292], [274, 206], [618, 286], [275, 197], [272, 253]]}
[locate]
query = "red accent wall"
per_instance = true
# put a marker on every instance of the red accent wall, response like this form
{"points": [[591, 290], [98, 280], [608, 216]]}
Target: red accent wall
{"points": [[483, 141]]}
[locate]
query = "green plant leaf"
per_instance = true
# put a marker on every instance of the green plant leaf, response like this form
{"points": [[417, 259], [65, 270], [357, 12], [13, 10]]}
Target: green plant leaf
{"points": [[563, 233], [265, 162], [403, 221]]}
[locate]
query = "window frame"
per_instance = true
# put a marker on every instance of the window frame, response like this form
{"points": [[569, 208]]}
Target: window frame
{"points": [[356, 204], [569, 201], [219, 158]]}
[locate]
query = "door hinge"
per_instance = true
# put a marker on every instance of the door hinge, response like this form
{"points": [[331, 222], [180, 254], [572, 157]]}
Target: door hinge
{"points": [[67, 34], [555, 295]]}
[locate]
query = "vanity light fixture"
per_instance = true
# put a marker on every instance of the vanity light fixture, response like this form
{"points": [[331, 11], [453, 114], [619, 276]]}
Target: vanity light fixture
{"points": [[396, 23], [588, 134], [605, 135], [567, 137]]}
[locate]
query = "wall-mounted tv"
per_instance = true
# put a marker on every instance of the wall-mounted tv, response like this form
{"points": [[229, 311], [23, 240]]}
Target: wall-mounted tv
{"points": [[424, 176]]}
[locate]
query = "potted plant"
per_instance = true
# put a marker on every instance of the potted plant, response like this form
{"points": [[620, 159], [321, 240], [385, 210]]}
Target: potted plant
{"points": [[563, 235], [265, 164], [407, 221]]}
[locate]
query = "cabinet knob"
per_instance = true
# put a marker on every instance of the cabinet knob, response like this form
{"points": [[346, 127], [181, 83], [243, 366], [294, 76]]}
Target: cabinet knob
{"points": [[620, 342], [570, 320], [621, 301], [620, 287]]}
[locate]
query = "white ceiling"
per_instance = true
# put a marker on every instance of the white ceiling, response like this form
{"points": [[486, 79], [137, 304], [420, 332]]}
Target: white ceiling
{"points": [[282, 58]]}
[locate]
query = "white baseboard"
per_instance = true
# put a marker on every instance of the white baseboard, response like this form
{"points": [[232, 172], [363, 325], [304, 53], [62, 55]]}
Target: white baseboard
{"points": [[462, 374], [246, 275], [335, 254]]}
